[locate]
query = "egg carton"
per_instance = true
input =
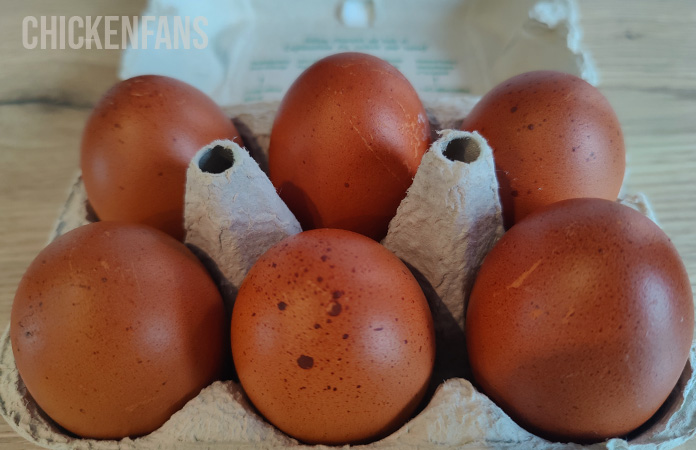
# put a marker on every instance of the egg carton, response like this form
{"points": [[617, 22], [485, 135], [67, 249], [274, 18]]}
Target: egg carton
{"points": [[233, 215]]}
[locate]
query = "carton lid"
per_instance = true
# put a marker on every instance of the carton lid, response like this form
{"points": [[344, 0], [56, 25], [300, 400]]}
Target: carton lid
{"points": [[242, 51]]}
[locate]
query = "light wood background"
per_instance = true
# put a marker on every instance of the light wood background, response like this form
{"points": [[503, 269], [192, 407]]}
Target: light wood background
{"points": [[645, 51]]}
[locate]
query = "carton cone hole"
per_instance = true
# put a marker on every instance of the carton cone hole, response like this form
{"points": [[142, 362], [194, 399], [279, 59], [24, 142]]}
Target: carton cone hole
{"points": [[463, 149], [217, 159]]}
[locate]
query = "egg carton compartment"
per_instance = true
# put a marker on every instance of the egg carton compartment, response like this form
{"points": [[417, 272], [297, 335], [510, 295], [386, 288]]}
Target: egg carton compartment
{"points": [[455, 413]]}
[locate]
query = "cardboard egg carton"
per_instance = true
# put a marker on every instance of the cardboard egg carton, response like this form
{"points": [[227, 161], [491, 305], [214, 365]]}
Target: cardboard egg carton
{"points": [[233, 215]]}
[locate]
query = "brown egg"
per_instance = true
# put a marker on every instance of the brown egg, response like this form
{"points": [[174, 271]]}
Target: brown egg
{"points": [[346, 143], [581, 320], [332, 338], [554, 136], [114, 327], [137, 144]]}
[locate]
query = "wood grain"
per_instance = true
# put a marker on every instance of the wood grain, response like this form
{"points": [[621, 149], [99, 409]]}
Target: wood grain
{"points": [[645, 52]]}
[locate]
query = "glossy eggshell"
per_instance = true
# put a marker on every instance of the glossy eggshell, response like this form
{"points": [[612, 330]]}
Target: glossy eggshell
{"points": [[581, 320], [554, 136], [114, 327], [346, 143], [332, 338], [137, 144]]}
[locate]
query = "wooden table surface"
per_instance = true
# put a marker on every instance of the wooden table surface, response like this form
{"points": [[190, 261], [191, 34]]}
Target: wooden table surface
{"points": [[645, 52]]}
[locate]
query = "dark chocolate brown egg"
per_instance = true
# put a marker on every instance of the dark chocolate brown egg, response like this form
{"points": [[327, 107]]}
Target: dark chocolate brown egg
{"points": [[554, 136], [581, 320], [137, 144], [114, 327], [346, 142], [332, 338]]}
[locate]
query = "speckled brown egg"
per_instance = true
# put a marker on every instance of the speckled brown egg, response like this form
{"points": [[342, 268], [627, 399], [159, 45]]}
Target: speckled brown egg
{"points": [[554, 136], [581, 320], [114, 327], [332, 338], [137, 144], [346, 142]]}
